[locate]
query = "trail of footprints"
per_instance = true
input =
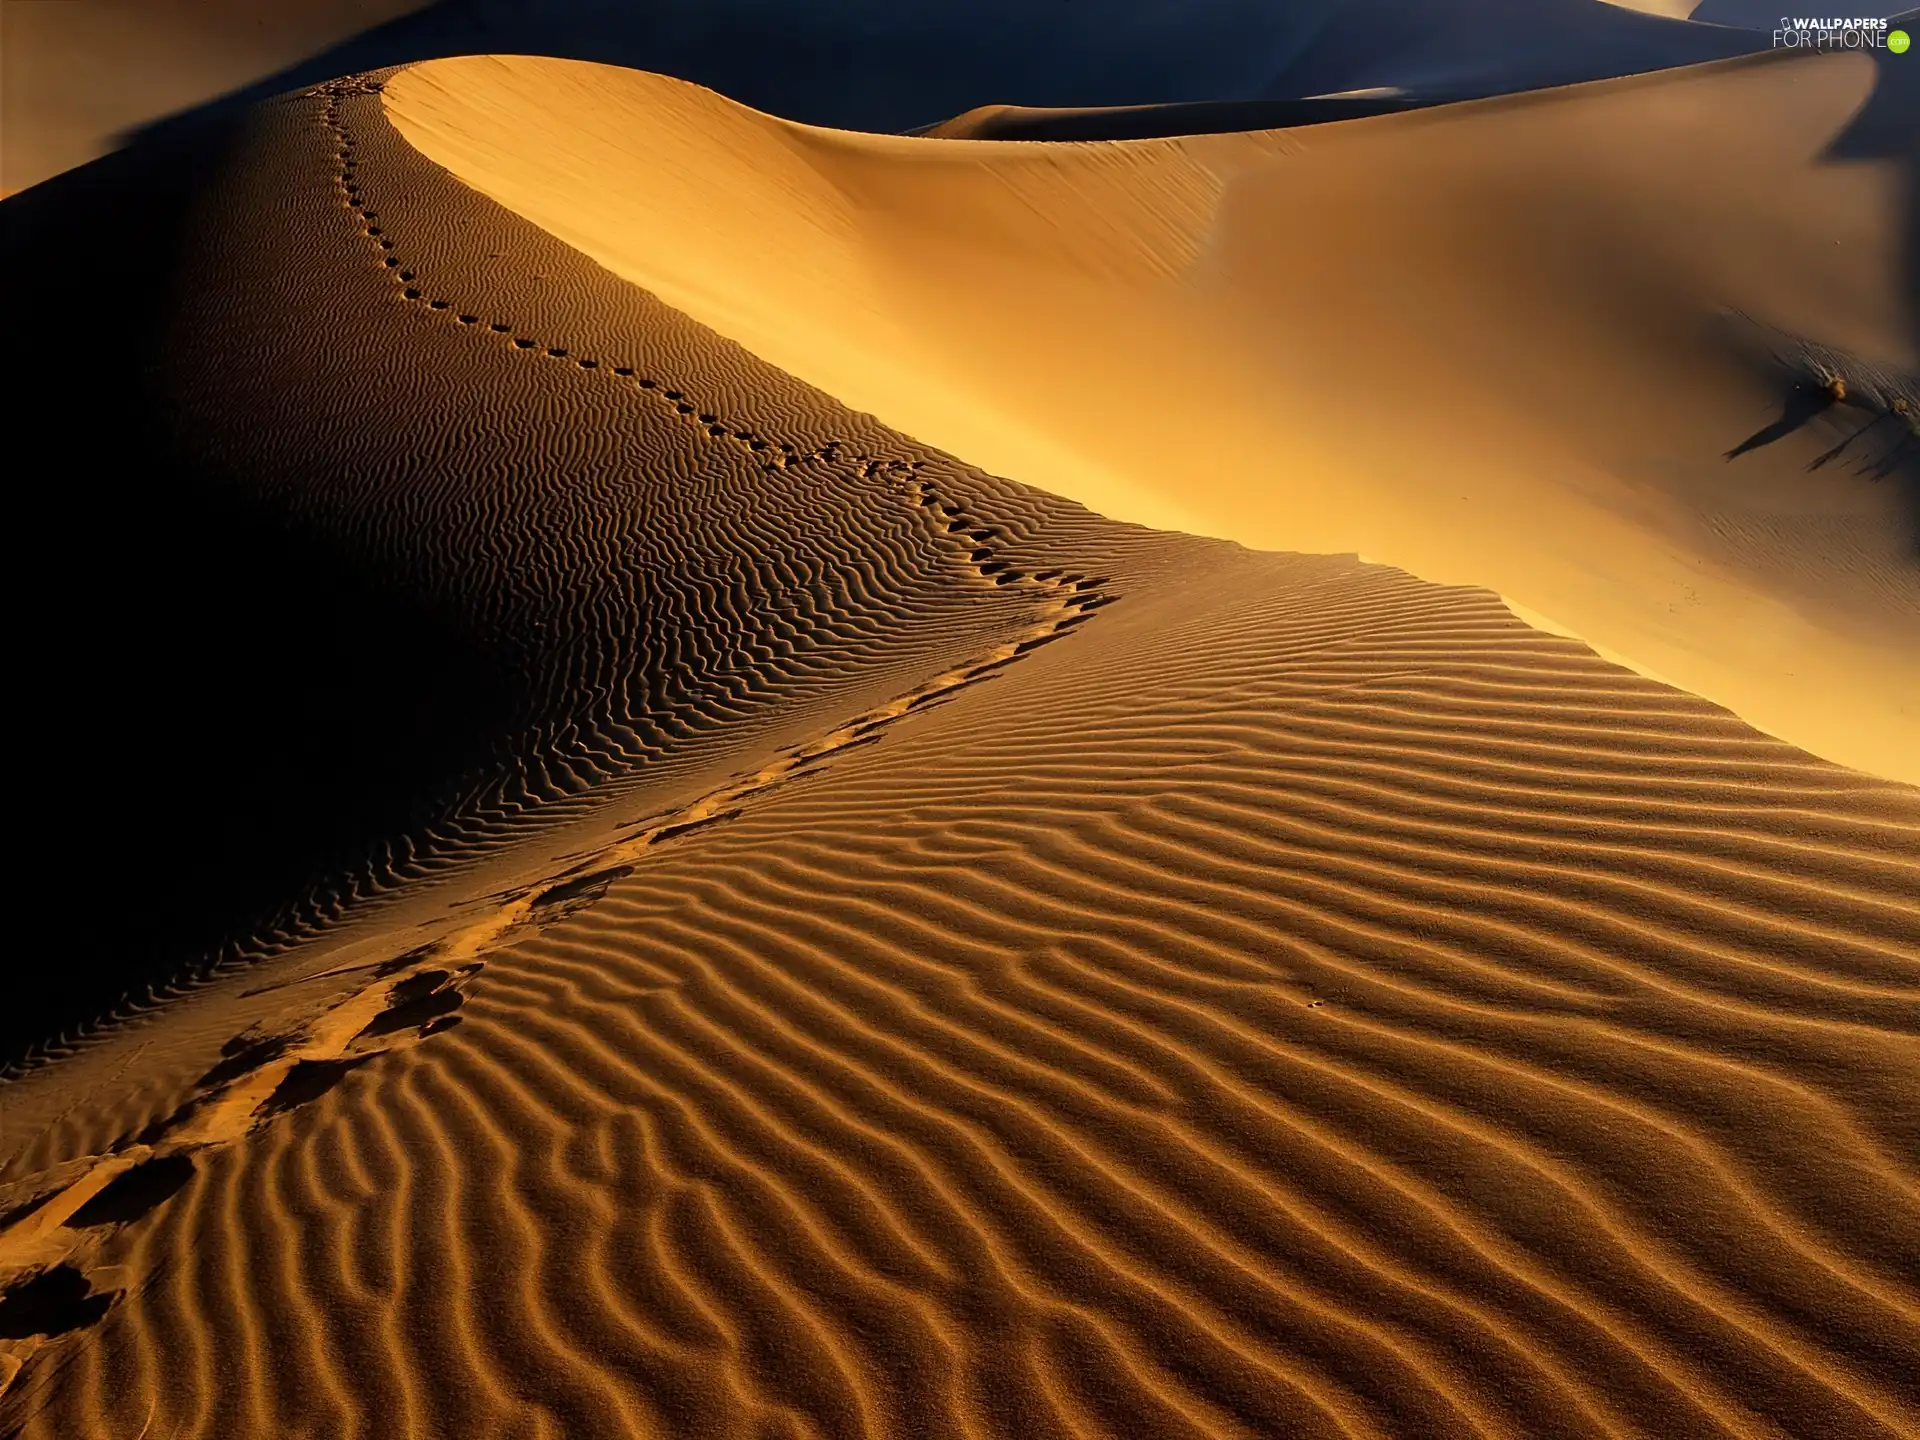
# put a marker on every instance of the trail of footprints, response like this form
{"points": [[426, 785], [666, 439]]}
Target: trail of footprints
{"points": [[50, 1281], [310, 915], [1064, 598], [50, 1284], [770, 454]]}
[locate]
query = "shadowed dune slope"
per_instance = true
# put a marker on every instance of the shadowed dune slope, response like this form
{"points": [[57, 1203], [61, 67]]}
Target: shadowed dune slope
{"points": [[372, 581], [1298, 1001], [1036, 976], [1569, 346]]}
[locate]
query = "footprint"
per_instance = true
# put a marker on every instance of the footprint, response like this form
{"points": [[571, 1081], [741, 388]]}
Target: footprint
{"points": [[418, 1002], [245, 1052], [137, 1192], [307, 1081], [50, 1302]]}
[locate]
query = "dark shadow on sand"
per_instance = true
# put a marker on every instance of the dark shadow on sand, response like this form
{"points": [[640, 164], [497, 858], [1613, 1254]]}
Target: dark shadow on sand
{"points": [[135, 1193], [52, 1302], [1888, 128], [214, 705]]}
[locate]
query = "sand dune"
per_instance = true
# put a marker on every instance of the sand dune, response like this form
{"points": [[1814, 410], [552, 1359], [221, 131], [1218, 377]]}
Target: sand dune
{"points": [[1154, 122], [1508, 344], [80, 74], [784, 932], [1354, 1023], [444, 591]]}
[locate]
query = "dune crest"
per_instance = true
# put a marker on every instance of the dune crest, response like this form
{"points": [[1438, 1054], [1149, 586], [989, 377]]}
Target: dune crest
{"points": [[1369, 1019], [924, 960], [80, 72], [1508, 343]]}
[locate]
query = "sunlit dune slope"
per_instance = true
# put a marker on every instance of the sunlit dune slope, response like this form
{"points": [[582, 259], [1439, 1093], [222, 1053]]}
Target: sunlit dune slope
{"points": [[1295, 1001], [1508, 343], [371, 587], [909, 959]]}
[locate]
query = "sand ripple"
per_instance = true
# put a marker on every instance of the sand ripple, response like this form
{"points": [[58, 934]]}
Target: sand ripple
{"points": [[1227, 995]]}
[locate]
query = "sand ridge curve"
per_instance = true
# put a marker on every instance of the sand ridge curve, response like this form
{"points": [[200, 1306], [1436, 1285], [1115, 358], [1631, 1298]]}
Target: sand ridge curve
{"points": [[1518, 346], [1308, 1002], [1372, 1018], [624, 625], [55, 1234], [82, 75]]}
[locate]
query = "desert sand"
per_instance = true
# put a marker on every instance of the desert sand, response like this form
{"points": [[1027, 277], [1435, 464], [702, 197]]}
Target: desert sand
{"points": [[82, 78], [727, 779], [77, 75], [1506, 344]]}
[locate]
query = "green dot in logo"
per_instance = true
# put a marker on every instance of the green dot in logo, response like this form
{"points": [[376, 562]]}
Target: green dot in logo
{"points": [[1897, 41]]}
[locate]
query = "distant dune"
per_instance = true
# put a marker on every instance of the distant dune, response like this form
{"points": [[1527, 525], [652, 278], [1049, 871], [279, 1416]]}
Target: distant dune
{"points": [[635, 845]]}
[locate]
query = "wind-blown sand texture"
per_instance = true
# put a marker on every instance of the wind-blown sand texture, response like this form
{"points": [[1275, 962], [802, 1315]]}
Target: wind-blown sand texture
{"points": [[1507, 344], [891, 953]]}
